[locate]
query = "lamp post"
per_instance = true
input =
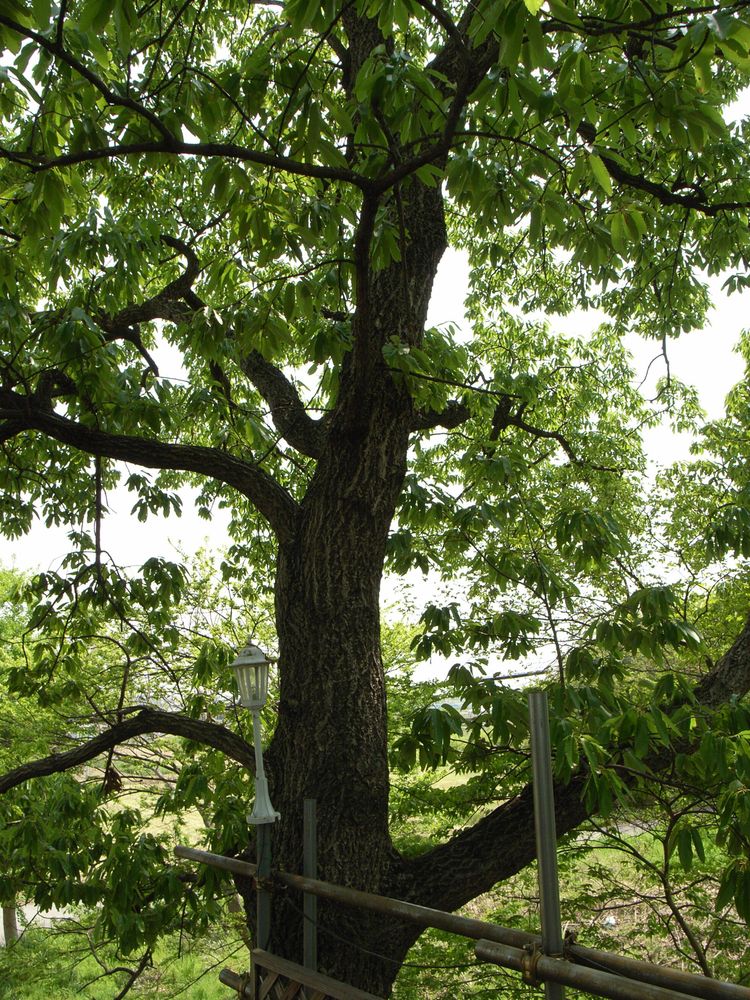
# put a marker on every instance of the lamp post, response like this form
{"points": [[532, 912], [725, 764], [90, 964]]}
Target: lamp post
{"points": [[250, 668]]}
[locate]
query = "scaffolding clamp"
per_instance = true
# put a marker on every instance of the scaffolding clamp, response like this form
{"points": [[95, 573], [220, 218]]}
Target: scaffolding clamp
{"points": [[245, 986], [529, 963], [269, 884]]}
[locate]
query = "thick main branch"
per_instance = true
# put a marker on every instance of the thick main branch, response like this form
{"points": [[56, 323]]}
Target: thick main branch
{"points": [[147, 720], [288, 413], [177, 302], [503, 842], [271, 499]]}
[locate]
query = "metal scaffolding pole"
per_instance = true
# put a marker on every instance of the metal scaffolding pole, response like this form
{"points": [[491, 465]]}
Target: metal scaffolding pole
{"points": [[625, 970], [537, 967], [546, 834], [309, 901]]}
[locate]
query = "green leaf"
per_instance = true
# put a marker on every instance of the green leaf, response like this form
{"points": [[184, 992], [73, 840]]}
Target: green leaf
{"points": [[600, 172], [96, 15], [685, 847], [619, 233], [742, 893], [698, 844], [512, 34], [727, 888], [641, 737], [42, 11]]}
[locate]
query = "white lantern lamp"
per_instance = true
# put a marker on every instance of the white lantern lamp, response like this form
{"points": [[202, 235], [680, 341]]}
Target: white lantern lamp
{"points": [[251, 671]]}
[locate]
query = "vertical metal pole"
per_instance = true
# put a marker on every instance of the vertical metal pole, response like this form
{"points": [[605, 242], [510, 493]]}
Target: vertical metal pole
{"points": [[263, 897], [310, 870], [546, 836], [262, 817]]}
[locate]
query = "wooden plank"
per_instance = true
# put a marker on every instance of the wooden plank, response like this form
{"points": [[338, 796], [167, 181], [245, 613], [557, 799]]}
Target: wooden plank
{"points": [[265, 987], [327, 986]]}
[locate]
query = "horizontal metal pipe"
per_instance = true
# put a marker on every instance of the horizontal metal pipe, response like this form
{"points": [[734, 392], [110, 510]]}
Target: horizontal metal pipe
{"points": [[660, 975], [685, 982], [558, 970], [411, 912], [235, 981]]}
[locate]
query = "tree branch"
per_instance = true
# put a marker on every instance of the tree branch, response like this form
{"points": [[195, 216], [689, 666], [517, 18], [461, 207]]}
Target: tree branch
{"points": [[451, 62], [56, 49], [453, 415], [494, 849], [227, 150], [166, 305], [663, 194], [272, 500], [503, 843], [177, 301], [504, 418], [170, 143], [291, 419], [147, 720], [731, 674]]}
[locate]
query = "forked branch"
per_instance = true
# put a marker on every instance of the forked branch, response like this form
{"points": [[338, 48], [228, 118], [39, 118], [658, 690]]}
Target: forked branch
{"points": [[288, 413], [177, 302]]}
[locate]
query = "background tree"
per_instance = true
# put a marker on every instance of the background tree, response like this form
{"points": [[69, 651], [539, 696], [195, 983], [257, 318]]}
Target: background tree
{"points": [[268, 191]]}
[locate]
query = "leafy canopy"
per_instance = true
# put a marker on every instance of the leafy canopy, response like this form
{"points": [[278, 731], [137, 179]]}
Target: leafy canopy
{"points": [[197, 201]]}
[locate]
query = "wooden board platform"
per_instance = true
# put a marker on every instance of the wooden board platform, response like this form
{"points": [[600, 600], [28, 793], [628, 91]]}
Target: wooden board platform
{"points": [[279, 979]]}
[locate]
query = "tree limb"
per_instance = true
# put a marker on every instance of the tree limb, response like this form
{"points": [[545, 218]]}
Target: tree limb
{"points": [[494, 849], [169, 143], [503, 842], [226, 150], [730, 677], [451, 61], [147, 720], [453, 415], [663, 194], [168, 304], [456, 413], [291, 419], [272, 500], [56, 49], [176, 302]]}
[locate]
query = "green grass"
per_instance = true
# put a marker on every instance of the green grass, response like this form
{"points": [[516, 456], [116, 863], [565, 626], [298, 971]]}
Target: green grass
{"points": [[59, 963], [598, 878]]}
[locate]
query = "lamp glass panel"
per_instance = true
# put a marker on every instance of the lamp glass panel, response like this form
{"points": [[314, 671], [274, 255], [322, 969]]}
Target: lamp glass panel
{"points": [[252, 680]]}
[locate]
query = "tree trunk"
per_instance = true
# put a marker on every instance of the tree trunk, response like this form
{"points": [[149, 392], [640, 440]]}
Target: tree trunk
{"points": [[10, 923], [330, 742]]}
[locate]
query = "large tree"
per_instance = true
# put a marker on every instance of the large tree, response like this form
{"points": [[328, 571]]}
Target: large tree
{"points": [[265, 192]]}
